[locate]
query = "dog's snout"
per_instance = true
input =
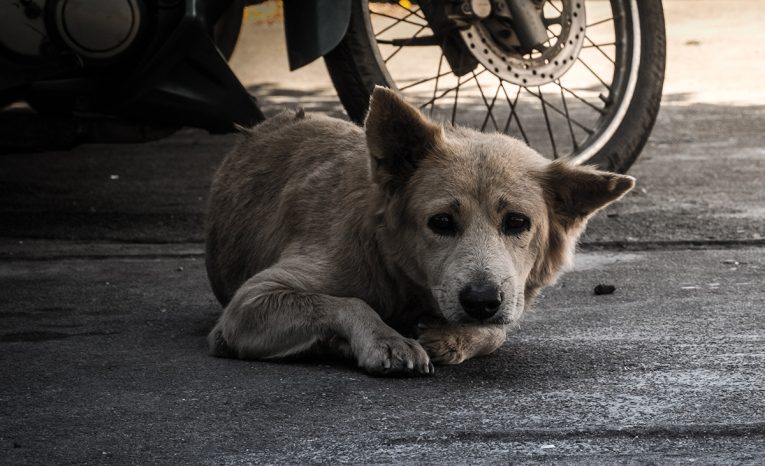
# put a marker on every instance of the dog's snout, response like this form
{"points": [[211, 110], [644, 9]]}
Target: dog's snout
{"points": [[481, 300]]}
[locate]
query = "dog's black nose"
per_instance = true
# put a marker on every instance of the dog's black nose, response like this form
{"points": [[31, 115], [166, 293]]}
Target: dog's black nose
{"points": [[481, 300]]}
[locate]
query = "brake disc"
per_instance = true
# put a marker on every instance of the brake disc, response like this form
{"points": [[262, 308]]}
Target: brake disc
{"points": [[495, 44]]}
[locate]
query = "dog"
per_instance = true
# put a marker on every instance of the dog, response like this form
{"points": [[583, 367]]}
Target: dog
{"points": [[401, 244]]}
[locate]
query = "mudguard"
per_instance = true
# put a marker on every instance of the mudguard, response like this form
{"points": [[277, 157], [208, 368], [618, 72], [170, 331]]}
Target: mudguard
{"points": [[313, 28]]}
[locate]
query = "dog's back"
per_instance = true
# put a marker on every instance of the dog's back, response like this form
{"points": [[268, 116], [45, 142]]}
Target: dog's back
{"points": [[285, 175]]}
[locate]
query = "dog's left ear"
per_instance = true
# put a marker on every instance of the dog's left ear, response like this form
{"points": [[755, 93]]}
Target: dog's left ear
{"points": [[399, 136], [576, 192]]}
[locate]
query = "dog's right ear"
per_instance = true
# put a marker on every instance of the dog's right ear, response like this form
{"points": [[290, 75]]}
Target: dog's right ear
{"points": [[398, 137]]}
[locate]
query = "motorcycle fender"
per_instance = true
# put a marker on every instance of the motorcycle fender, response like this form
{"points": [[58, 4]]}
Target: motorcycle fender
{"points": [[313, 28]]}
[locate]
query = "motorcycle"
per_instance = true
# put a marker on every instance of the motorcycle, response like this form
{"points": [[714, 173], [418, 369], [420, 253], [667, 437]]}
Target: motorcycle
{"points": [[580, 80]]}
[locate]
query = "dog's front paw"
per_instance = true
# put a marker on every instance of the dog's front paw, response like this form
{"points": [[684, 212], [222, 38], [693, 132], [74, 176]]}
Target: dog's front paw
{"points": [[443, 346], [218, 346], [453, 344], [395, 355]]}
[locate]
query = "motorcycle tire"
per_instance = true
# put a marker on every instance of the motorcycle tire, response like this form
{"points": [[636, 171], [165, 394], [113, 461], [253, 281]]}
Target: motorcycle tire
{"points": [[356, 66]]}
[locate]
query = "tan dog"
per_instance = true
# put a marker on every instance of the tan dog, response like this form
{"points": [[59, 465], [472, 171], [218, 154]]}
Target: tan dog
{"points": [[323, 235]]}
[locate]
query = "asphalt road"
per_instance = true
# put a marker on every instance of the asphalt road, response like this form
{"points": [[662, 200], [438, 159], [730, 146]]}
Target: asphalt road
{"points": [[104, 306]]}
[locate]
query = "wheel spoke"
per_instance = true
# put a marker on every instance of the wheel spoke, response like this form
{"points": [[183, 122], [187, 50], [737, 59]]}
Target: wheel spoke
{"points": [[439, 75], [600, 22], [435, 88], [456, 98], [491, 108], [403, 45], [598, 45], [581, 99], [447, 91], [568, 117], [560, 12], [398, 21], [414, 12], [599, 49], [560, 112], [485, 102], [547, 122], [594, 73], [512, 112]]}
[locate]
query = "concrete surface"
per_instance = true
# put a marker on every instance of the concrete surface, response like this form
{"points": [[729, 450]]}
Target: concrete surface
{"points": [[104, 304], [105, 362]]}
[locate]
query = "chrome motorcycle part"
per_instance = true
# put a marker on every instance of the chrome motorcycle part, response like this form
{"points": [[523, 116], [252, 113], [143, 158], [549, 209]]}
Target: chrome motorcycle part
{"points": [[514, 45], [481, 9]]}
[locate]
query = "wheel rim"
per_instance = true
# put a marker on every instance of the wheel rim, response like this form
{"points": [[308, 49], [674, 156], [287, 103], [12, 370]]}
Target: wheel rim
{"points": [[572, 111]]}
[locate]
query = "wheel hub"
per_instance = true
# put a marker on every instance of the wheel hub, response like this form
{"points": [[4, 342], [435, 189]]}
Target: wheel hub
{"points": [[514, 52]]}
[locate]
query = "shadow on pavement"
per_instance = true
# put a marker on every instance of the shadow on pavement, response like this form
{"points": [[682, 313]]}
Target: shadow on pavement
{"points": [[699, 179]]}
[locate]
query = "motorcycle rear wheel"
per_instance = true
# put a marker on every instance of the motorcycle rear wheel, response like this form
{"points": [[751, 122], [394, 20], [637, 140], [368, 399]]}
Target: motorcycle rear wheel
{"points": [[551, 116]]}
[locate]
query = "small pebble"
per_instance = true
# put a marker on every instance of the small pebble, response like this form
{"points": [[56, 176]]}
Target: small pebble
{"points": [[604, 289]]}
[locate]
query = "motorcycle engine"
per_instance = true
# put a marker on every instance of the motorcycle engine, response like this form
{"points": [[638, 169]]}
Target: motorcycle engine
{"points": [[156, 61], [94, 30]]}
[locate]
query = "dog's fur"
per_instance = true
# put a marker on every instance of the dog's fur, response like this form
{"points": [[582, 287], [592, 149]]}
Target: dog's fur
{"points": [[318, 236]]}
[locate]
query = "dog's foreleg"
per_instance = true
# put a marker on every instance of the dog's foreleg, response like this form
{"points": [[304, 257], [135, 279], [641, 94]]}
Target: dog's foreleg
{"points": [[271, 317], [455, 343]]}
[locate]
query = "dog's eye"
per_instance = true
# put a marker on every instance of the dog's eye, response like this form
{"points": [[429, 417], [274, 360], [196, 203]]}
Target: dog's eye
{"points": [[514, 224], [443, 224]]}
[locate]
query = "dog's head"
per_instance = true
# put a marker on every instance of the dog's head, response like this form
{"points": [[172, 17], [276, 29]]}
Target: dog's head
{"points": [[481, 220]]}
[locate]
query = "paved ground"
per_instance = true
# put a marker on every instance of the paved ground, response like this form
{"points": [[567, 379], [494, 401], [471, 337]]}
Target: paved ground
{"points": [[104, 305]]}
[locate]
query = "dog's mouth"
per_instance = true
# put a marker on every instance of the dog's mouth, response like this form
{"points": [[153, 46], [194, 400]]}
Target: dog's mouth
{"points": [[498, 319], [464, 319]]}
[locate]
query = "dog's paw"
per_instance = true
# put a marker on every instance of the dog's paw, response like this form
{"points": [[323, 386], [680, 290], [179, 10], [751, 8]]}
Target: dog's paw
{"points": [[218, 346], [443, 346], [395, 355], [453, 344]]}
